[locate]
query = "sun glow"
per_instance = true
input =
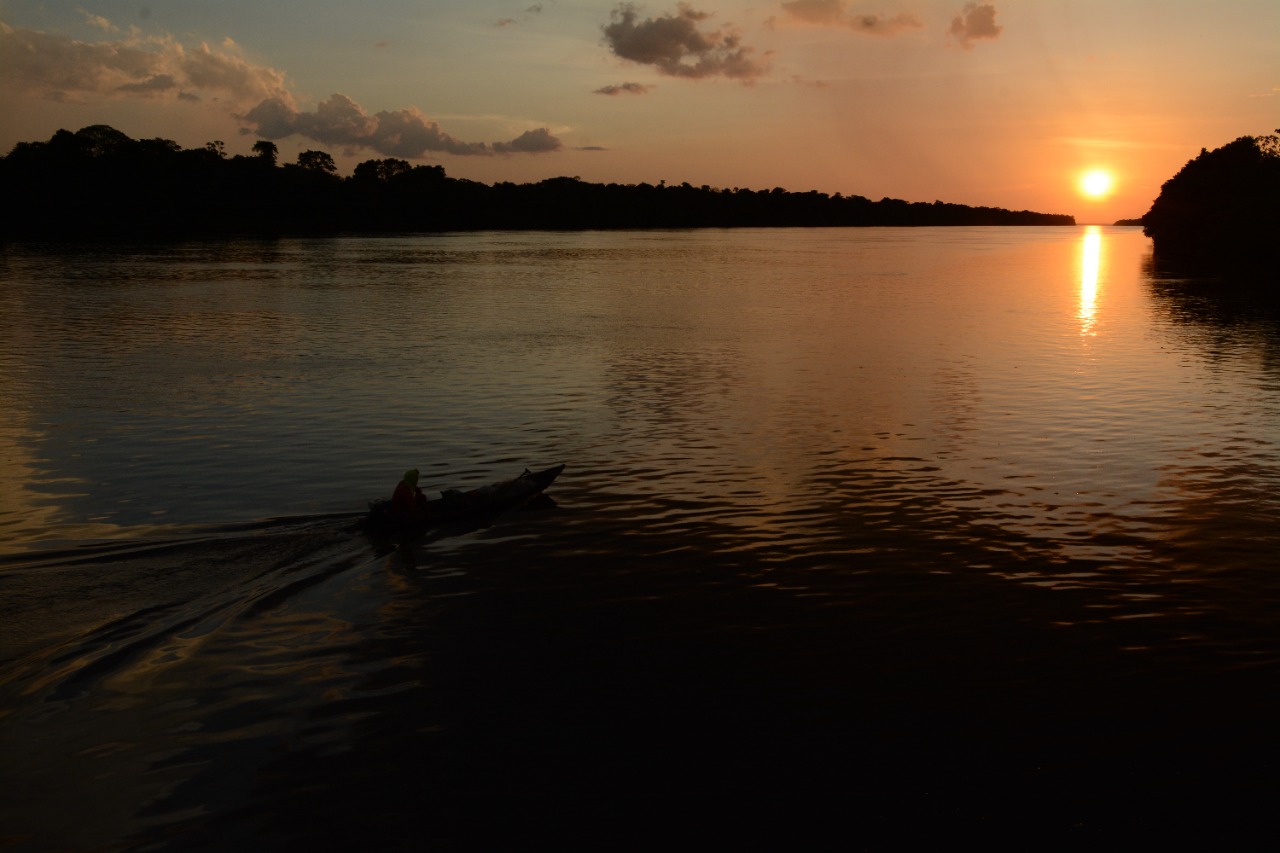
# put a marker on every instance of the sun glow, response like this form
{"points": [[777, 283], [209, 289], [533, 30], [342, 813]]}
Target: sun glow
{"points": [[1096, 183]]}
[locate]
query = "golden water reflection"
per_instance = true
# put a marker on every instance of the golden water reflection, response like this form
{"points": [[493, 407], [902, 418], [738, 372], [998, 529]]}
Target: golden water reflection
{"points": [[1090, 260]]}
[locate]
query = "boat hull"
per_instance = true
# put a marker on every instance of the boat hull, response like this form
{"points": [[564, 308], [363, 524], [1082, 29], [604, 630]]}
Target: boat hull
{"points": [[452, 506]]}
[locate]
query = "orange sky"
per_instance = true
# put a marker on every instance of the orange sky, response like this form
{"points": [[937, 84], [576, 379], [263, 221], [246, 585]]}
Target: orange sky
{"points": [[1003, 103]]}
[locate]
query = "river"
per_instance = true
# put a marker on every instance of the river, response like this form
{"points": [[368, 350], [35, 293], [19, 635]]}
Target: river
{"points": [[895, 536]]}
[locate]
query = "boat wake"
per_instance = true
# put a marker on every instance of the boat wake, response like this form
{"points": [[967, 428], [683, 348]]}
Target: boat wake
{"points": [[72, 618], [132, 668]]}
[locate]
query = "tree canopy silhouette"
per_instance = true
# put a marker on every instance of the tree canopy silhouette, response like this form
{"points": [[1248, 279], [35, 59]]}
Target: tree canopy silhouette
{"points": [[317, 161], [100, 182], [266, 150], [1222, 208]]}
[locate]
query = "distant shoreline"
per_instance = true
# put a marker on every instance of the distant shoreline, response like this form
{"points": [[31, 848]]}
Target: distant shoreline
{"points": [[98, 182]]}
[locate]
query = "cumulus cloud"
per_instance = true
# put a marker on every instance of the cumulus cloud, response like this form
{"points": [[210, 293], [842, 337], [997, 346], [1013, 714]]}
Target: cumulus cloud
{"points": [[624, 89], [834, 13], [340, 121], [975, 21], [675, 46], [59, 67], [530, 142]]}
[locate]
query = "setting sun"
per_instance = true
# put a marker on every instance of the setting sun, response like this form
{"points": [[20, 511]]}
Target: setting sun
{"points": [[1096, 183]]}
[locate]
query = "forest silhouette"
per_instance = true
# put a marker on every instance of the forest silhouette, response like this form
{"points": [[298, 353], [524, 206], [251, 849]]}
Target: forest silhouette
{"points": [[1221, 210], [99, 182]]}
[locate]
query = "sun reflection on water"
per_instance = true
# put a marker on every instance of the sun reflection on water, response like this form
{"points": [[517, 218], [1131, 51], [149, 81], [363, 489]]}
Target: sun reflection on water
{"points": [[1090, 259]]}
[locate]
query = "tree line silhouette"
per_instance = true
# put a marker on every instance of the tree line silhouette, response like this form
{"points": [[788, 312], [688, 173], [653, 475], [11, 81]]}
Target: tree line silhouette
{"points": [[100, 182], [1222, 209]]}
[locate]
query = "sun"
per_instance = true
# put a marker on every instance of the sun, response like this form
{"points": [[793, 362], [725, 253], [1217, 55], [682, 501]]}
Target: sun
{"points": [[1096, 183]]}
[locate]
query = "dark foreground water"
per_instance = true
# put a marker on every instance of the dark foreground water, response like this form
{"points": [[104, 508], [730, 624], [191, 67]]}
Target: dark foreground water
{"points": [[867, 539]]}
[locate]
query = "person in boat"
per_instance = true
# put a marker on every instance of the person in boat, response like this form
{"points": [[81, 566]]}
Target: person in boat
{"points": [[408, 503]]}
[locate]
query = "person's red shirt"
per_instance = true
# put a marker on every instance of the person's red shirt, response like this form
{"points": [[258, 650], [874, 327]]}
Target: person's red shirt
{"points": [[404, 499]]}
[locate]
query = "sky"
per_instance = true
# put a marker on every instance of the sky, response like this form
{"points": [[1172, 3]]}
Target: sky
{"points": [[1006, 103]]}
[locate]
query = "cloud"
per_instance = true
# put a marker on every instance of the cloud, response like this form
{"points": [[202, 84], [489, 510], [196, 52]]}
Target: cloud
{"points": [[48, 65], [675, 46], [99, 22], [530, 142], [59, 68], [975, 21], [535, 9], [832, 13], [340, 121], [624, 89], [1099, 142], [158, 83], [817, 12]]}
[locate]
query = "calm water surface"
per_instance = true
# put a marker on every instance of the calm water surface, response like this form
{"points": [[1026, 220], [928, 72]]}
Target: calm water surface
{"points": [[906, 514]]}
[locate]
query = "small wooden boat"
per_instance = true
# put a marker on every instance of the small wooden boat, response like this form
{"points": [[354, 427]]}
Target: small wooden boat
{"points": [[476, 505]]}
